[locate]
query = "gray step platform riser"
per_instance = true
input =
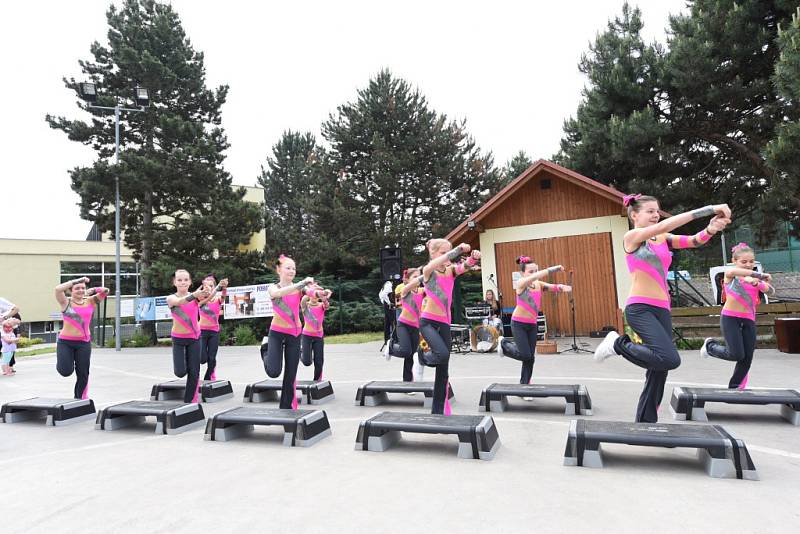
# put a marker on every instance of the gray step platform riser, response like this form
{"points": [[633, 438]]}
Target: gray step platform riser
{"points": [[694, 409], [275, 395], [34, 415], [387, 440], [376, 399], [502, 405], [237, 431], [126, 421], [714, 467]]}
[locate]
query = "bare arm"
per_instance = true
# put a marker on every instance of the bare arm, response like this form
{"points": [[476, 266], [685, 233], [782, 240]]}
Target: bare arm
{"points": [[451, 256], [525, 281], [411, 285], [198, 294], [61, 297], [97, 294], [633, 238], [556, 288], [276, 292], [14, 309]]}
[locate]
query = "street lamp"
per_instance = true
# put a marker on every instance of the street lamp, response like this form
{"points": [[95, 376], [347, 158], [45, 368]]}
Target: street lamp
{"points": [[88, 92]]}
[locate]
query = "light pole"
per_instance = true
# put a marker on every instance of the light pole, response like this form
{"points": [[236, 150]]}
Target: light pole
{"points": [[88, 92]]}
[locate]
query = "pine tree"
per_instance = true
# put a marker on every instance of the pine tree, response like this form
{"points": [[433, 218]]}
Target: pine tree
{"points": [[178, 207], [402, 172], [783, 152], [515, 167]]}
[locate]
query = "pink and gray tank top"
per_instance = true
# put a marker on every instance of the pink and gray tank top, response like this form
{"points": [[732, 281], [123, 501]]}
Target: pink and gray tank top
{"points": [[185, 320], [648, 266], [77, 318], [287, 308], [439, 290], [209, 315], [314, 317], [746, 295], [529, 300], [411, 304]]}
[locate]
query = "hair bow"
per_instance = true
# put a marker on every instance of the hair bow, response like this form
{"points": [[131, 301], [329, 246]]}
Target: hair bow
{"points": [[627, 199]]}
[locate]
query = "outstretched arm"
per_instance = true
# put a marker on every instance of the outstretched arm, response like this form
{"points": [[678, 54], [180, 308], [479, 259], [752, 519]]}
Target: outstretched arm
{"points": [[275, 291], [525, 281], [451, 256], [633, 238], [61, 297]]}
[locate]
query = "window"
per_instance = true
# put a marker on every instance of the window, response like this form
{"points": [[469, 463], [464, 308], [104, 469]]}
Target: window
{"points": [[103, 274], [79, 267]]}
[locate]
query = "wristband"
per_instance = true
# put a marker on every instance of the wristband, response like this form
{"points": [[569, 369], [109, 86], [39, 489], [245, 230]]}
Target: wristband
{"points": [[557, 288], [700, 213], [454, 254], [299, 285], [553, 269], [471, 261], [219, 287], [190, 297], [757, 275]]}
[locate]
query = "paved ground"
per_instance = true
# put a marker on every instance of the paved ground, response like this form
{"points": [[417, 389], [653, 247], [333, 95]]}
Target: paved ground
{"points": [[78, 479]]}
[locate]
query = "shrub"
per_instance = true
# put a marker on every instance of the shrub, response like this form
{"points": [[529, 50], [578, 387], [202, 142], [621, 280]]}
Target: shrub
{"points": [[25, 342], [244, 335]]}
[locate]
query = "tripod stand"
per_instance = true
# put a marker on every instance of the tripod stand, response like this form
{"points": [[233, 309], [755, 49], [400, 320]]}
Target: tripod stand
{"points": [[574, 347]]}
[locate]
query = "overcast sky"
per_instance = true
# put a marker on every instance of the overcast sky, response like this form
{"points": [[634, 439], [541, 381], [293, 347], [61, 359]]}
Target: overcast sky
{"points": [[508, 67]]}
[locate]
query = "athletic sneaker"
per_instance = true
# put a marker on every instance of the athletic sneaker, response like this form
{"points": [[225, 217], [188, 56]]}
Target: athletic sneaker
{"points": [[606, 347], [500, 346], [386, 349], [529, 399], [704, 349]]}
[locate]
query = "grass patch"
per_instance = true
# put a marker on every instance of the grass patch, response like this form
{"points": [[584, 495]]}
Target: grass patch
{"points": [[360, 337], [34, 352]]}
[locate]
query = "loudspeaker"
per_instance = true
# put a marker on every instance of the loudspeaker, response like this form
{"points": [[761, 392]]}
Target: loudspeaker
{"points": [[391, 263]]}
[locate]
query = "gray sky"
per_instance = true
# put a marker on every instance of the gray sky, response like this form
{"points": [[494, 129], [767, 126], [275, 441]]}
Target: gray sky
{"points": [[509, 68]]}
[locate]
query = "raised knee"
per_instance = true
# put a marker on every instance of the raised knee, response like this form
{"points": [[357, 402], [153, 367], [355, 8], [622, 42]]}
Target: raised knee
{"points": [[64, 372]]}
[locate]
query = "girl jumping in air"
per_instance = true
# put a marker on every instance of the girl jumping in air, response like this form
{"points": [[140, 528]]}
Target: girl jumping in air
{"points": [[647, 247], [742, 286]]}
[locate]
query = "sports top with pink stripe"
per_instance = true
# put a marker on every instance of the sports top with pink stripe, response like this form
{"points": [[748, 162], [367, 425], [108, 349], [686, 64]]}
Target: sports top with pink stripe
{"points": [[77, 320], [411, 304], [529, 301], [314, 317], [741, 299], [287, 308], [185, 320], [439, 292], [648, 266], [209, 315]]}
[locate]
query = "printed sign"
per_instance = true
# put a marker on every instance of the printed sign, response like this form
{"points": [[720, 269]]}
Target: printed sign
{"points": [[244, 302]]}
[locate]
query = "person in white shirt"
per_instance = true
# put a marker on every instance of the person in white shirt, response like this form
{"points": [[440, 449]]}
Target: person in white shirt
{"points": [[386, 297]]}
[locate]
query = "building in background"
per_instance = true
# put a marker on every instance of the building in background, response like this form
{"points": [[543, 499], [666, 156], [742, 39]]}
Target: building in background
{"points": [[31, 268]]}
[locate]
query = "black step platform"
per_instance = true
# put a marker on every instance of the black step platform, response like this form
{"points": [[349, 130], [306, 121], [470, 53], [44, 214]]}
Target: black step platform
{"points": [[477, 434], [310, 391], [494, 397], [56, 412], [375, 393], [722, 455], [689, 403], [301, 428], [210, 390], [171, 417]]}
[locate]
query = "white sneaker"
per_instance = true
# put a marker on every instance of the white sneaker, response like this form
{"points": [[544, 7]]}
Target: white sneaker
{"points": [[419, 369], [704, 349], [386, 349], [606, 347], [529, 399], [500, 346]]}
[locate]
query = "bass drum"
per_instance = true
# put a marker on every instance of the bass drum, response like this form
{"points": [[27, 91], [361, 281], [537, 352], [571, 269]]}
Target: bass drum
{"points": [[483, 338]]}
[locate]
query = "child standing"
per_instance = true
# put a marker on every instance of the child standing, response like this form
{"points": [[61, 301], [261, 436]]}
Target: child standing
{"points": [[9, 341]]}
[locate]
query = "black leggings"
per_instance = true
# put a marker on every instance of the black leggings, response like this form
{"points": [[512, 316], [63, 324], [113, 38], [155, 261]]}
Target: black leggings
{"points": [[283, 348], [209, 345], [525, 335], [408, 343], [186, 362], [740, 338], [313, 349], [438, 337], [75, 356], [657, 354]]}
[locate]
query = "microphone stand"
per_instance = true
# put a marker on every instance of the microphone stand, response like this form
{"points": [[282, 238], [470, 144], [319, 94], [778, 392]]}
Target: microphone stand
{"points": [[574, 347]]}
